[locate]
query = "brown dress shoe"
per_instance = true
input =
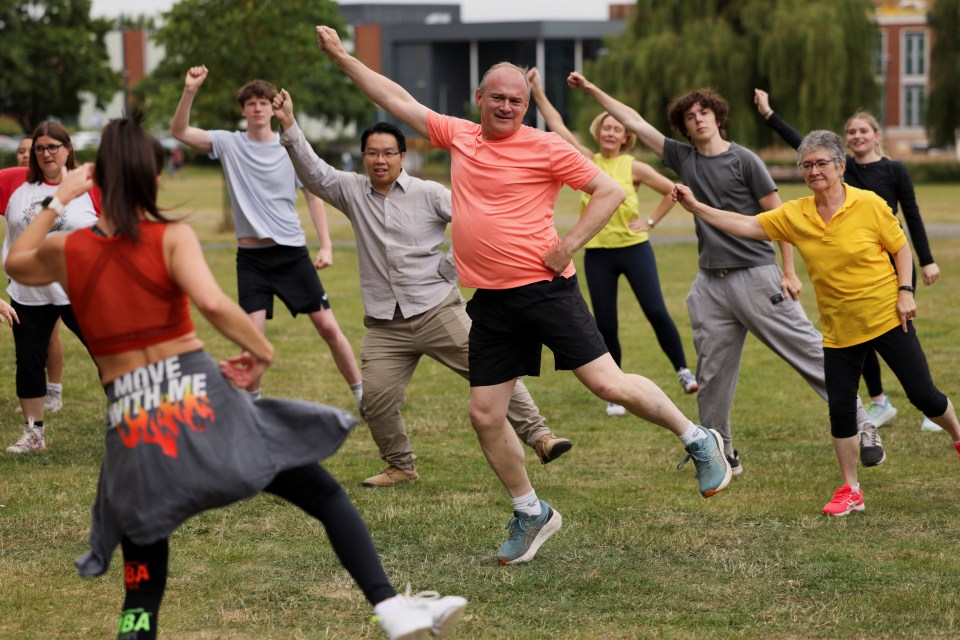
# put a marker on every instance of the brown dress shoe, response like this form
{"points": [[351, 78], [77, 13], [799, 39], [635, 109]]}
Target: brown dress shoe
{"points": [[550, 447], [391, 476]]}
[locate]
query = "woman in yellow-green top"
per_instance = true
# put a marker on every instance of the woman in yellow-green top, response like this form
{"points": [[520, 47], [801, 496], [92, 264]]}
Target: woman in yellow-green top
{"points": [[845, 235], [622, 247]]}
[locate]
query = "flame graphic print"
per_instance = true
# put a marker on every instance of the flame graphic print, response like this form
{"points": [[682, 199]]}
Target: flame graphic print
{"points": [[162, 426]]}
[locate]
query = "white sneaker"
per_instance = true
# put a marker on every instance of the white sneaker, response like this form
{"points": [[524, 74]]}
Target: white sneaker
{"points": [[53, 402], [688, 381], [881, 412], [615, 410], [930, 425], [30, 440], [423, 614]]}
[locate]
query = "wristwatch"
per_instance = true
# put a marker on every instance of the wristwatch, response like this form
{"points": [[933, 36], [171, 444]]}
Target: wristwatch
{"points": [[51, 202], [905, 287], [651, 223]]}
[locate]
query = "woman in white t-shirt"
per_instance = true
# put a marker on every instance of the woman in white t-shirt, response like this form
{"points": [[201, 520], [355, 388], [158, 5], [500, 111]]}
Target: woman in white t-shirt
{"points": [[24, 191]]}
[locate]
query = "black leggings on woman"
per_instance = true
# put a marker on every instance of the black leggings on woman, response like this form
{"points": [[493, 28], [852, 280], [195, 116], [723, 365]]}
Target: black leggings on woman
{"points": [[312, 489], [902, 353], [603, 268]]}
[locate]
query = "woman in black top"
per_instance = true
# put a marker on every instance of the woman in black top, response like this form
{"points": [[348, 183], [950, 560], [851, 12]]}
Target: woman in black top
{"points": [[868, 168]]}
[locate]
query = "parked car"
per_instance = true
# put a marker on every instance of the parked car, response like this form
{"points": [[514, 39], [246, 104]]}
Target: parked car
{"points": [[85, 139]]}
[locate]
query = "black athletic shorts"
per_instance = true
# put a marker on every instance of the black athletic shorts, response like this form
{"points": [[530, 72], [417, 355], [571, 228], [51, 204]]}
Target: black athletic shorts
{"points": [[287, 272], [510, 327]]}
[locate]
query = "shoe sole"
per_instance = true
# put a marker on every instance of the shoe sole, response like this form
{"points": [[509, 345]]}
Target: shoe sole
{"points": [[856, 507], [443, 626], [692, 390], [550, 528], [736, 470], [558, 450], [726, 476], [885, 416]]}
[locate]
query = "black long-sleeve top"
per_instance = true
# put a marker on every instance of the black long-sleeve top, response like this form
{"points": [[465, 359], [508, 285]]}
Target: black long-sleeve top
{"points": [[887, 178]]}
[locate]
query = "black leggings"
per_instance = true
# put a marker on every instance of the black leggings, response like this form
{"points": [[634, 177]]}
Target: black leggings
{"points": [[31, 337], [902, 353], [603, 268], [309, 487], [871, 365]]}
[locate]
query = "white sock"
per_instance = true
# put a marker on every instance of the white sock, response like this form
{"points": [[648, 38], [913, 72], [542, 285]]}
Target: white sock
{"points": [[55, 388], [527, 504], [855, 487], [692, 433], [357, 389]]}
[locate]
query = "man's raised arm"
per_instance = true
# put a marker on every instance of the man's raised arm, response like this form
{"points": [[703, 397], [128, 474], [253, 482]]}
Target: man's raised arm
{"points": [[627, 116], [382, 90]]}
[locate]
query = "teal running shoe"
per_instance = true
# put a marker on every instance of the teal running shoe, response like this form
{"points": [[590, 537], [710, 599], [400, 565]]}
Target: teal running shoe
{"points": [[713, 468], [527, 534]]}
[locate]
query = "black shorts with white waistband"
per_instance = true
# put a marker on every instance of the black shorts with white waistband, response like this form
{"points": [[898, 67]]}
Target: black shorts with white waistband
{"points": [[277, 270], [511, 326]]}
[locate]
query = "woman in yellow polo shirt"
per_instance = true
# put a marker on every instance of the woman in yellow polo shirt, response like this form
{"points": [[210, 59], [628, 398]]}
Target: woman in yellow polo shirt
{"points": [[622, 247], [844, 235]]}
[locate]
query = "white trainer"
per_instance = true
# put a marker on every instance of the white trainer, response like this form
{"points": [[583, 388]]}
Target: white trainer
{"points": [[30, 440], [422, 614], [930, 425]]}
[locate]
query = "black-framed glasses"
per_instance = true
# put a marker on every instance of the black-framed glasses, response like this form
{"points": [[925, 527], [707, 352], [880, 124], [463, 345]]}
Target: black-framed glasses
{"points": [[52, 148], [387, 155], [821, 165]]}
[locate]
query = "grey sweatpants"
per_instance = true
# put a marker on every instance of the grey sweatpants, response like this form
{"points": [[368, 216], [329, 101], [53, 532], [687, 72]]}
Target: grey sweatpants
{"points": [[723, 306]]}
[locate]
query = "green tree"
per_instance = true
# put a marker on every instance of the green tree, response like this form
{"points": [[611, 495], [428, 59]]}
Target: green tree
{"points": [[51, 52], [241, 40], [813, 56], [943, 102]]}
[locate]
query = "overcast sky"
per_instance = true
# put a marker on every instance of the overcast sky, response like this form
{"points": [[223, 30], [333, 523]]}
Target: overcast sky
{"points": [[470, 10]]}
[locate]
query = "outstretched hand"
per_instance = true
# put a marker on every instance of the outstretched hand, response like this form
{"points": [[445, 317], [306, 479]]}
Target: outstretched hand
{"points": [[283, 108], [682, 195], [533, 77], [577, 80], [243, 369], [75, 182], [195, 78], [762, 99], [329, 42]]}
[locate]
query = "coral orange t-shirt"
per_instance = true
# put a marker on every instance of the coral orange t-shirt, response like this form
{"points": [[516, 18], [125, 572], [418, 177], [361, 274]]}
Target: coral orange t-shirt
{"points": [[504, 192]]}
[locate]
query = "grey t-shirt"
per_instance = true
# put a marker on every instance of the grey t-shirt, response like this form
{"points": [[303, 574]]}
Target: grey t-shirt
{"points": [[734, 180], [263, 187]]}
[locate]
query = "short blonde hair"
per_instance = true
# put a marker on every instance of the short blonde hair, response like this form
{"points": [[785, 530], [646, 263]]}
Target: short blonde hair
{"points": [[595, 132]]}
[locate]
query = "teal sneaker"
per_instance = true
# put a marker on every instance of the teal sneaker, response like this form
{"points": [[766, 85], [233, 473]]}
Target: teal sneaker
{"points": [[527, 533], [713, 468]]}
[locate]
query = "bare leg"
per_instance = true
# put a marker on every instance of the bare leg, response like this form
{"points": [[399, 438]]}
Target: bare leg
{"points": [[32, 408], [948, 421], [488, 414], [846, 450], [326, 325], [637, 394], [259, 319]]}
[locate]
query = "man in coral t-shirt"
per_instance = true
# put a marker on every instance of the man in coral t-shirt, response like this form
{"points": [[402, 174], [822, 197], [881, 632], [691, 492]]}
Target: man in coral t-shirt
{"points": [[505, 180]]}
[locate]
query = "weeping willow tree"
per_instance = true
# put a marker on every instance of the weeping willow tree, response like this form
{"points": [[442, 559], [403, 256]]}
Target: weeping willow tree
{"points": [[943, 103], [813, 56]]}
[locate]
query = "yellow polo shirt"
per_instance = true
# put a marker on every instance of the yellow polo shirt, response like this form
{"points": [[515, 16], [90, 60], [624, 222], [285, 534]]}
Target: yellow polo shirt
{"points": [[616, 234], [847, 260]]}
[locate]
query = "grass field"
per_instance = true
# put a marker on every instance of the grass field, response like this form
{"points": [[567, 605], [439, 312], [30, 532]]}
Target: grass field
{"points": [[641, 554]]}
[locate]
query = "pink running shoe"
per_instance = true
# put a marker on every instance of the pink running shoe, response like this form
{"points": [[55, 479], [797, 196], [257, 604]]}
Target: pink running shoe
{"points": [[845, 500]]}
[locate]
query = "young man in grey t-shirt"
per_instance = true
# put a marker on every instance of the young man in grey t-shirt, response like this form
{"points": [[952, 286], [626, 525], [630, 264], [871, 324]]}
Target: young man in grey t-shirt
{"points": [[739, 287], [272, 257]]}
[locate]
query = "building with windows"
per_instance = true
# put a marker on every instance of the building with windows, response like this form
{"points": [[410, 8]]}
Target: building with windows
{"points": [[902, 68]]}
